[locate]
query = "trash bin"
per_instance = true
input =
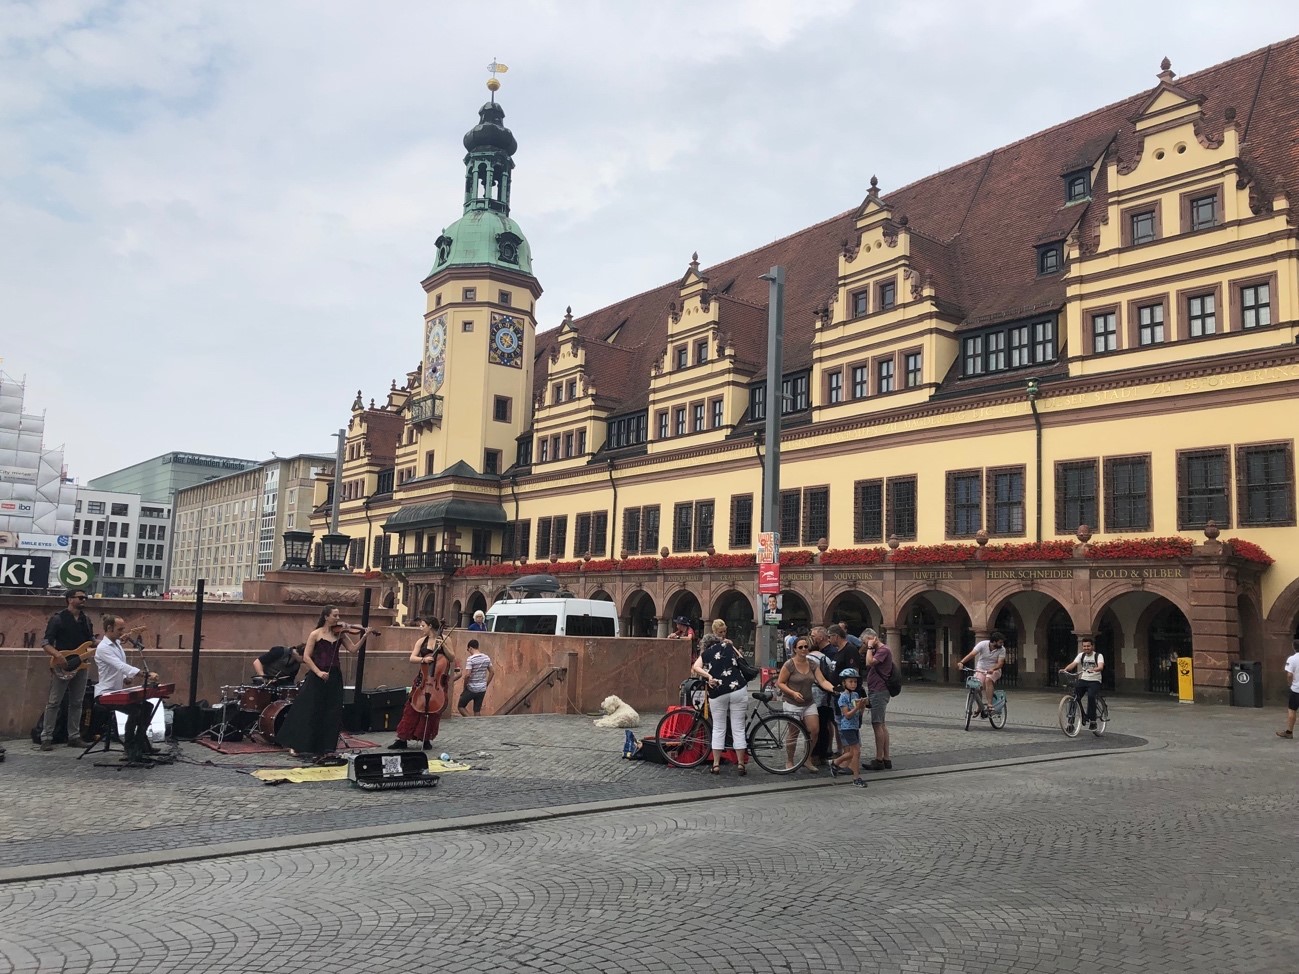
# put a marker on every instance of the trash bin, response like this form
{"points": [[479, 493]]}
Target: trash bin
{"points": [[1246, 684]]}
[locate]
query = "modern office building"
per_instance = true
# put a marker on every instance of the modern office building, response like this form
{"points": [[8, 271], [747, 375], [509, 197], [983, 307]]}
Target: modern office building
{"points": [[1051, 390], [126, 538], [158, 479], [230, 529]]}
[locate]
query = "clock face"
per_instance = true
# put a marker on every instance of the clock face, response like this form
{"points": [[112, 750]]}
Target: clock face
{"points": [[506, 341], [435, 348]]}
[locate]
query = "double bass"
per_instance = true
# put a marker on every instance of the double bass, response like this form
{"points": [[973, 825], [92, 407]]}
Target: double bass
{"points": [[428, 695]]}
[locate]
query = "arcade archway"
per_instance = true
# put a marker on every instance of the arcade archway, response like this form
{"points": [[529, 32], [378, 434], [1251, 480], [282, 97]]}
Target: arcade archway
{"points": [[639, 615]]}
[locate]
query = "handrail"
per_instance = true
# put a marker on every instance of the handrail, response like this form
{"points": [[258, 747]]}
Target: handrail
{"points": [[552, 674]]}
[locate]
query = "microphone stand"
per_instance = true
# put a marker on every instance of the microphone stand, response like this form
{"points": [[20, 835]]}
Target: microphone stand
{"points": [[139, 644]]}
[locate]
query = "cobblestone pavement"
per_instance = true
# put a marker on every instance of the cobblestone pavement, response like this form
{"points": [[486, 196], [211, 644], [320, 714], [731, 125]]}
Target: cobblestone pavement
{"points": [[1173, 858], [523, 762]]}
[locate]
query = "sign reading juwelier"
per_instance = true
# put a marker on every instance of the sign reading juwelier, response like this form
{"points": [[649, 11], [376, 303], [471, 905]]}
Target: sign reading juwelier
{"points": [[24, 571]]}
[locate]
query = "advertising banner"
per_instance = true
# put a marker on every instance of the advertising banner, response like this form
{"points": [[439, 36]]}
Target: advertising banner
{"points": [[15, 507], [45, 542], [24, 571], [18, 475]]}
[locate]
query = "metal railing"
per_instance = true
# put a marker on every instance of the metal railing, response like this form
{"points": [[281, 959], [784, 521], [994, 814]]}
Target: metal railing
{"points": [[436, 561], [426, 409]]}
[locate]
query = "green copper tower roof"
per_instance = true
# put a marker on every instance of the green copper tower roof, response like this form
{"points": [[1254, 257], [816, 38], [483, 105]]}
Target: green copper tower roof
{"points": [[486, 235]]}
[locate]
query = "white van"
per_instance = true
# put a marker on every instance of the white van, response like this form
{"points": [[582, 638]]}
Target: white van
{"points": [[554, 617]]}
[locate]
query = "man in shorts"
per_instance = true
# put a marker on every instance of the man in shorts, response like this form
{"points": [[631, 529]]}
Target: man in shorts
{"points": [[1292, 706], [879, 667], [989, 657], [478, 675]]}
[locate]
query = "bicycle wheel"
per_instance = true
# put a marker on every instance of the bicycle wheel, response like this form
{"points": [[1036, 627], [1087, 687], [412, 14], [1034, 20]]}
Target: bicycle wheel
{"points": [[1070, 716], [1102, 716], [972, 707], [769, 737], [777, 701], [685, 745], [997, 718]]}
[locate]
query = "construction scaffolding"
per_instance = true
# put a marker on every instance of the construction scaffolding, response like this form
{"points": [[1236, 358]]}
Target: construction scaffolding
{"points": [[36, 501]]}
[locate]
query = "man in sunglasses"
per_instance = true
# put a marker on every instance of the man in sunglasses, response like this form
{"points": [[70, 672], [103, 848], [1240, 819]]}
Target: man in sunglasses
{"points": [[67, 630]]}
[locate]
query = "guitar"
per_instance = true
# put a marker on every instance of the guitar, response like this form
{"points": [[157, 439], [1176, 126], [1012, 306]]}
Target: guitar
{"points": [[83, 654]]}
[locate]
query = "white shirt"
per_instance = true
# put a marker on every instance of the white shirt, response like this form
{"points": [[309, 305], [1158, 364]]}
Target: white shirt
{"points": [[985, 657], [476, 667], [1292, 667], [1089, 666], [114, 670]]}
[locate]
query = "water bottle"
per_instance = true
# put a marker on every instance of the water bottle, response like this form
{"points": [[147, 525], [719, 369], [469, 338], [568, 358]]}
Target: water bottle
{"points": [[444, 756]]}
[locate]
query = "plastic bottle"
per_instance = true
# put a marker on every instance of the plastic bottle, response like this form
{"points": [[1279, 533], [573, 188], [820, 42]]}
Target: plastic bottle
{"points": [[444, 756]]}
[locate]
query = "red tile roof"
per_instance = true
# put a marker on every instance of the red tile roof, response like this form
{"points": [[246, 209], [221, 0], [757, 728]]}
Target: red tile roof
{"points": [[974, 226]]}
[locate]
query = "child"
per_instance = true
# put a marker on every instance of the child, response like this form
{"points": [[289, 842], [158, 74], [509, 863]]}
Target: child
{"points": [[851, 704]]}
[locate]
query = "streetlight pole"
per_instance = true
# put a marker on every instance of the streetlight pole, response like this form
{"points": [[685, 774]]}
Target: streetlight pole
{"points": [[775, 279]]}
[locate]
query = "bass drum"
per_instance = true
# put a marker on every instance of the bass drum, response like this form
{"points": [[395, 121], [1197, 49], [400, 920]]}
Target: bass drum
{"points": [[271, 722]]}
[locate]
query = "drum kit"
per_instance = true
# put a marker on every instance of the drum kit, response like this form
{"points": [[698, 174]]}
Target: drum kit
{"points": [[255, 711]]}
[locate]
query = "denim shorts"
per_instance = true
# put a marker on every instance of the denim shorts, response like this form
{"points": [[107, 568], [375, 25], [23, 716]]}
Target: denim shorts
{"points": [[849, 738]]}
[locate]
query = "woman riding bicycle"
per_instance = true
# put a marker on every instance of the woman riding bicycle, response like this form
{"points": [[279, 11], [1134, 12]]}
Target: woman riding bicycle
{"points": [[1089, 665]]}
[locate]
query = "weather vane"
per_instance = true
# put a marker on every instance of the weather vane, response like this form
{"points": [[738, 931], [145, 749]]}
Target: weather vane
{"points": [[496, 67]]}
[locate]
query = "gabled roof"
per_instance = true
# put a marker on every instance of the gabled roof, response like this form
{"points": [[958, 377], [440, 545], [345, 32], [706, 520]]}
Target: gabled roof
{"points": [[975, 225]]}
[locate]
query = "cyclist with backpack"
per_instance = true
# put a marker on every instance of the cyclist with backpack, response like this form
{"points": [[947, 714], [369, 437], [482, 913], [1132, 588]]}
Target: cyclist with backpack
{"points": [[989, 657], [1089, 664], [879, 673]]}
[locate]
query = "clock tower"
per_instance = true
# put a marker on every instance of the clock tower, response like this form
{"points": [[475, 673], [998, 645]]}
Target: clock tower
{"points": [[475, 381]]}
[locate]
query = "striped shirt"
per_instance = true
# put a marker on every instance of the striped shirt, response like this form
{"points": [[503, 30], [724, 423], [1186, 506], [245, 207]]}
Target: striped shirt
{"points": [[476, 667]]}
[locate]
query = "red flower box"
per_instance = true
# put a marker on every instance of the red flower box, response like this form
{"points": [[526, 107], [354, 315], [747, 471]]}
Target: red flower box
{"points": [[503, 569], [1250, 551], [731, 561], [1029, 551], [682, 561], [796, 558], [1138, 548], [473, 571], [643, 564], [854, 556], [564, 568], [600, 565], [937, 554]]}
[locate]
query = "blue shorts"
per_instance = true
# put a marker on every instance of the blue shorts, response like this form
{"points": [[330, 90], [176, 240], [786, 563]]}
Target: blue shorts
{"points": [[849, 737]]}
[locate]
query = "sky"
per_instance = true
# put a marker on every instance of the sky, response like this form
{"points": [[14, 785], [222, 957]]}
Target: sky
{"points": [[215, 215]]}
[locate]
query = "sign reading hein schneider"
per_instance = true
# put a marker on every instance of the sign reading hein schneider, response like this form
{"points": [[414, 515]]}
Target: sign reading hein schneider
{"points": [[24, 571]]}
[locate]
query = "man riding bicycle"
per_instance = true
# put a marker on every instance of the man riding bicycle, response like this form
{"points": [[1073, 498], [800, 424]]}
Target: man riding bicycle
{"points": [[989, 657], [1089, 665]]}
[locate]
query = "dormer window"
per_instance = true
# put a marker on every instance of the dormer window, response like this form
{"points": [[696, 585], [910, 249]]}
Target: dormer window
{"points": [[507, 247], [572, 389], [1050, 258], [1077, 186], [701, 352], [681, 354], [557, 393]]}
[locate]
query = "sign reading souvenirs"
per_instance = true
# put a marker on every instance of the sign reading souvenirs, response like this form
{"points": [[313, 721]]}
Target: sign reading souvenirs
{"points": [[24, 571], [505, 343]]}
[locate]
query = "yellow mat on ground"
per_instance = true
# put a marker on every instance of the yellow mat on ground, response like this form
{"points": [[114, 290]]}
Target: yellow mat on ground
{"points": [[338, 772]]}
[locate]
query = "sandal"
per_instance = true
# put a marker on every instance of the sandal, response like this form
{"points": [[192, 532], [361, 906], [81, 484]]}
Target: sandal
{"points": [[744, 769], [715, 769]]}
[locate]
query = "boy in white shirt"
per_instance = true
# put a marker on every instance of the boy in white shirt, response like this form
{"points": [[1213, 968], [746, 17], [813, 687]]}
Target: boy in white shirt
{"points": [[1089, 664]]}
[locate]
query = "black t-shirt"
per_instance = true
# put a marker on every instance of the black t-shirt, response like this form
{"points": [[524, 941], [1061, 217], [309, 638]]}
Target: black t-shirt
{"points": [[66, 631], [722, 663], [279, 662], [849, 656]]}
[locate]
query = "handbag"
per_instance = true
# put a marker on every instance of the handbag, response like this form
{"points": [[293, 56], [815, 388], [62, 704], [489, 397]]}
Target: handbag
{"points": [[747, 669]]}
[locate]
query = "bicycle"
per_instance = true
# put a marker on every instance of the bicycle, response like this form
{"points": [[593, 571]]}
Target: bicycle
{"points": [[1071, 709], [778, 743], [974, 702]]}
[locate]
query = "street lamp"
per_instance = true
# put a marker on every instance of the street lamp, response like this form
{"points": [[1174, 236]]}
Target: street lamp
{"points": [[333, 549], [297, 549]]}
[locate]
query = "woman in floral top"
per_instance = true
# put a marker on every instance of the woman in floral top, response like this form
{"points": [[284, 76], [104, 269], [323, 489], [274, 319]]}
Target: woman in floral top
{"points": [[728, 693]]}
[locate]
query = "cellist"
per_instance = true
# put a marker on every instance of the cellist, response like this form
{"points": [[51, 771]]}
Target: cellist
{"points": [[422, 716]]}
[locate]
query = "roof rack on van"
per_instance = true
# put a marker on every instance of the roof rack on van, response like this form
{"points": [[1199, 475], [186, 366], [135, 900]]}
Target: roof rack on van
{"points": [[531, 585]]}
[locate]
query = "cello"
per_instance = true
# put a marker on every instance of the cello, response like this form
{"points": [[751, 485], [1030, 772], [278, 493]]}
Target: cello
{"points": [[428, 694]]}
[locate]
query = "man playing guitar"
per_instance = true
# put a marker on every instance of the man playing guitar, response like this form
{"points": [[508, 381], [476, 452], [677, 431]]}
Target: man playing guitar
{"points": [[114, 674], [67, 630]]}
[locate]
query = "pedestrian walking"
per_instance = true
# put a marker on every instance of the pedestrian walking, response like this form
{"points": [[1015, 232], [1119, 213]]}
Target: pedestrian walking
{"points": [[850, 705], [1292, 705], [478, 675]]}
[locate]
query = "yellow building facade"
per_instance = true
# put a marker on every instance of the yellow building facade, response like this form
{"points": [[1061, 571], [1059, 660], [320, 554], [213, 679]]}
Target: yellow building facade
{"points": [[1050, 391]]}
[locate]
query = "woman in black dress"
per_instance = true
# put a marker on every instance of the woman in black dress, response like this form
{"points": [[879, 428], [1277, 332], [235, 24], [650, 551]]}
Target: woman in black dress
{"points": [[316, 717]]}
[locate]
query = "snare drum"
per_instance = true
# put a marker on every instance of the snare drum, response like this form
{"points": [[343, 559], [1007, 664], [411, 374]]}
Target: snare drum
{"points": [[272, 719], [288, 692], [253, 700]]}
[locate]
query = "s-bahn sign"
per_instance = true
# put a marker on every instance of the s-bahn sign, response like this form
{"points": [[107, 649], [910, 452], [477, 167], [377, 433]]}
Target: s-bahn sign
{"points": [[24, 571]]}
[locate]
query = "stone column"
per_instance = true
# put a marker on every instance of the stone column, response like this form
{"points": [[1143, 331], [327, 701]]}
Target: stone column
{"points": [[1215, 630]]}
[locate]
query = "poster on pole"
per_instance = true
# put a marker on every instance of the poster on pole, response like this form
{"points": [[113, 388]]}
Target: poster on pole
{"points": [[771, 608], [768, 563]]}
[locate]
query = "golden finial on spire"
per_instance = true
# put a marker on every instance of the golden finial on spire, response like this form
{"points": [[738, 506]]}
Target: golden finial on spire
{"points": [[496, 67]]}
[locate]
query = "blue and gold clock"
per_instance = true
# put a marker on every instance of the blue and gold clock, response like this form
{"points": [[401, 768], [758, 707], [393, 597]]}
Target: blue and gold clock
{"points": [[435, 351], [506, 346]]}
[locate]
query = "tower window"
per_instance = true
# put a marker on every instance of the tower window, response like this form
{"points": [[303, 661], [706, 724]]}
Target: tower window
{"points": [[466, 326], [504, 298], [469, 294]]}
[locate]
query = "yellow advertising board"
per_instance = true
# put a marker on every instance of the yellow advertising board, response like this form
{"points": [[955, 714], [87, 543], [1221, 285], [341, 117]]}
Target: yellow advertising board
{"points": [[1185, 684]]}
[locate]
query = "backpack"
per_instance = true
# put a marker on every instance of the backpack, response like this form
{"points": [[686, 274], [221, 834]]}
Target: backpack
{"points": [[893, 681]]}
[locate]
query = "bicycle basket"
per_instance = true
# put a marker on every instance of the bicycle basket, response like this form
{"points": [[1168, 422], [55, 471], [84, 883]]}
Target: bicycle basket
{"points": [[973, 683]]}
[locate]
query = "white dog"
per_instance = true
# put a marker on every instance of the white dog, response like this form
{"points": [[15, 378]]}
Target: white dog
{"points": [[617, 714]]}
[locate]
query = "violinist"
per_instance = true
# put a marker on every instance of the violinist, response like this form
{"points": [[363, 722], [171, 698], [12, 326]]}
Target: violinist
{"points": [[422, 716], [316, 717]]}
